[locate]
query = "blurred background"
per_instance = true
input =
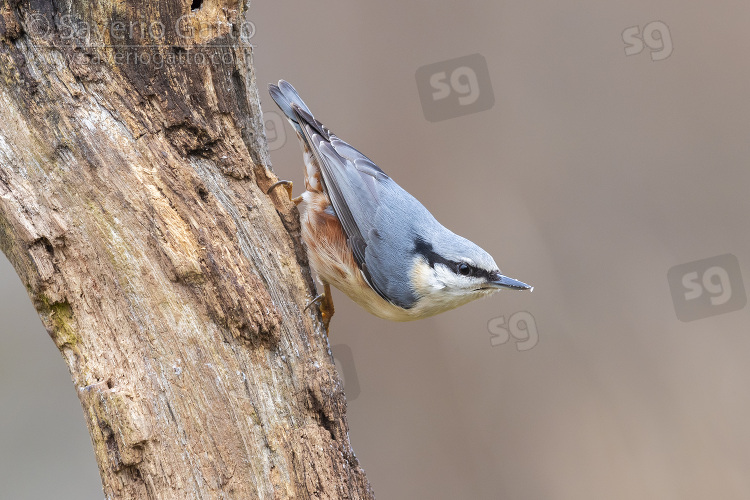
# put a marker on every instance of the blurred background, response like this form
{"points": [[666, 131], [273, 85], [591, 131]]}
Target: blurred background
{"points": [[599, 151]]}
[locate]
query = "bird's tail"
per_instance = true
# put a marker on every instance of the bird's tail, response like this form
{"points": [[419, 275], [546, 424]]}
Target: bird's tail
{"points": [[285, 96]]}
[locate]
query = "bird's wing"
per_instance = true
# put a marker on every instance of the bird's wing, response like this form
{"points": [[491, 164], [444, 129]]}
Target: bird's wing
{"points": [[354, 185]]}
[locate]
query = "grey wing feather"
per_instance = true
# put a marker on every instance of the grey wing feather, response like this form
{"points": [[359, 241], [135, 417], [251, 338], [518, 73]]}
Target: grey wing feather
{"points": [[351, 181]]}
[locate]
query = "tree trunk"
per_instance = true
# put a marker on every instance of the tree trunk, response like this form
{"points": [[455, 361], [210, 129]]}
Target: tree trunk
{"points": [[133, 170]]}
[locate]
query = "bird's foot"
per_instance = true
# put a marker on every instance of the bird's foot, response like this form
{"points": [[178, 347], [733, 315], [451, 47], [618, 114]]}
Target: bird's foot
{"points": [[288, 186], [325, 301], [326, 306]]}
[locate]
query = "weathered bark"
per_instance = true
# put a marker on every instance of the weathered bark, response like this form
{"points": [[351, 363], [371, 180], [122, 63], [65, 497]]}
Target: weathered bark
{"points": [[133, 168]]}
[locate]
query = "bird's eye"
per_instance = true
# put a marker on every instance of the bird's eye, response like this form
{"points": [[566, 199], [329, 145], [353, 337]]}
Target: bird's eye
{"points": [[464, 269]]}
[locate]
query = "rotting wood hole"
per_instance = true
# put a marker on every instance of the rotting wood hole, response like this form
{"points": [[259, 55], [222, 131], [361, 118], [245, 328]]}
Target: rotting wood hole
{"points": [[45, 242], [326, 422], [109, 439]]}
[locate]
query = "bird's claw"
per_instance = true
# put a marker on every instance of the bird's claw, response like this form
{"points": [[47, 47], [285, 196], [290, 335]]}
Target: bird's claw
{"points": [[288, 185], [325, 301], [326, 307]]}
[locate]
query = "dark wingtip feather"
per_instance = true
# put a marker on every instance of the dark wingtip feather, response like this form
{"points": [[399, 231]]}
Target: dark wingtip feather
{"points": [[287, 98], [282, 101]]}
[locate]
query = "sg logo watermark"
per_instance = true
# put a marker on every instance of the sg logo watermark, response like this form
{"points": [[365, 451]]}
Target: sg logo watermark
{"points": [[655, 36], [521, 326], [275, 133], [455, 87], [707, 287], [344, 360]]}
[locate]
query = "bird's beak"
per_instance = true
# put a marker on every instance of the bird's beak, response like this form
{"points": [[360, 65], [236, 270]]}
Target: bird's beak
{"points": [[500, 281]]}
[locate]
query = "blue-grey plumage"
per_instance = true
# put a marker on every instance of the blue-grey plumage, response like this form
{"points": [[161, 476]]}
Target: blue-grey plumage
{"points": [[398, 262]]}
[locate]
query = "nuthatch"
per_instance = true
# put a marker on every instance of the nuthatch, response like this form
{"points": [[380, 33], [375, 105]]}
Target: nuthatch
{"points": [[371, 239]]}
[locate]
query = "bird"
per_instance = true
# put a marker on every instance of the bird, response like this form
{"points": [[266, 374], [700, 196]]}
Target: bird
{"points": [[368, 237]]}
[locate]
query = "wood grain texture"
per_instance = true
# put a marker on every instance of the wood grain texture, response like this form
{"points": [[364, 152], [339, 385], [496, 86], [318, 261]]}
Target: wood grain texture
{"points": [[132, 206]]}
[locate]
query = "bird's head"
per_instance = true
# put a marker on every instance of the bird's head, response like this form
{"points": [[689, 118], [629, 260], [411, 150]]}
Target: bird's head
{"points": [[449, 271]]}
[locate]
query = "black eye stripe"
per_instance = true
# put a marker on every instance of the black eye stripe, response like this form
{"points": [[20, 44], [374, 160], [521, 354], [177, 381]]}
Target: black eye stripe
{"points": [[482, 273], [425, 249]]}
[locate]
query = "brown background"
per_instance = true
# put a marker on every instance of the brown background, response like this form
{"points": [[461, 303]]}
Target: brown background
{"points": [[592, 175]]}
